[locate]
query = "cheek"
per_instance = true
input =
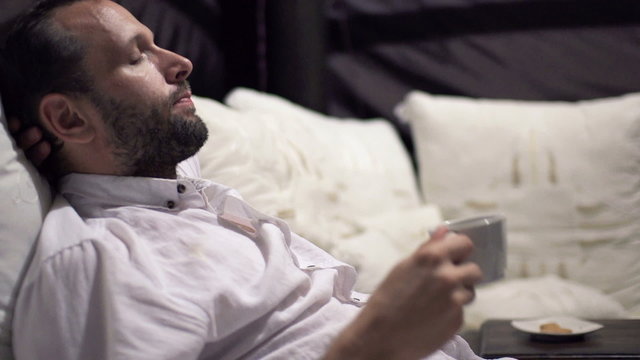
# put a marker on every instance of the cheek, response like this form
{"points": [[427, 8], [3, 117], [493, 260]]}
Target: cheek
{"points": [[141, 85]]}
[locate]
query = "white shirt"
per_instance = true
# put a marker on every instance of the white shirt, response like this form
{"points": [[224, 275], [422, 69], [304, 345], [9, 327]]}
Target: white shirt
{"points": [[142, 268]]}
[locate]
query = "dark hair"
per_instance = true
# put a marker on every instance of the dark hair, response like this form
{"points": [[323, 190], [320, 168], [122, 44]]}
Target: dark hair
{"points": [[39, 58]]}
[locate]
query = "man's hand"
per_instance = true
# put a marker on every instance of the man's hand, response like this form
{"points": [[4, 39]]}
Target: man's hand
{"points": [[30, 141], [418, 307]]}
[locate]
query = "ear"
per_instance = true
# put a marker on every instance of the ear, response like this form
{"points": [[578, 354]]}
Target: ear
{"points": [[63, 117]]}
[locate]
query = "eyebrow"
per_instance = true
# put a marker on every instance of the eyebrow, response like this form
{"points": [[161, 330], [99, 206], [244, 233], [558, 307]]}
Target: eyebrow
{"points": [[143, 35]]}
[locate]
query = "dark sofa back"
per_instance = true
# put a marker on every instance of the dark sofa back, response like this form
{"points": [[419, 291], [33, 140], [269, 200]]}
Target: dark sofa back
{"points": [[534, 49], [360, 57]]}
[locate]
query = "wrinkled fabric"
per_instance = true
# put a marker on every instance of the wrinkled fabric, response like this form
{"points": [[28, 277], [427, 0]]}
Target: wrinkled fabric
{"points": [[142, 268]]}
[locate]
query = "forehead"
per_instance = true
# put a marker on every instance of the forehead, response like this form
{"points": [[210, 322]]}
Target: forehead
{"points": [[102, 25]]}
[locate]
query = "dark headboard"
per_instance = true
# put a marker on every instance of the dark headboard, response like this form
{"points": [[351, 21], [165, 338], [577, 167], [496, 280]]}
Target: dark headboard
{"points": [[534, 49], [360, 57]]}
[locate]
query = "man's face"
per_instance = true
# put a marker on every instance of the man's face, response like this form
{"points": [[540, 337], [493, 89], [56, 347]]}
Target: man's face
{"points": [[140, 90]]}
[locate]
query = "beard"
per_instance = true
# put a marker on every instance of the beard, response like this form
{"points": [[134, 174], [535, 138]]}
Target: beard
{"points": [[149, 139]]}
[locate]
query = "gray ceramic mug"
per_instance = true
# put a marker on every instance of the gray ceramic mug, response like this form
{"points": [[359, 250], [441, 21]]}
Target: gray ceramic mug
{"points": [[487, 233]]}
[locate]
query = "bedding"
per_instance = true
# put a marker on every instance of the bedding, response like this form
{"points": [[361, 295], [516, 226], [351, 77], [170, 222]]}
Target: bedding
{"points": [[382, 237], [563, 173], [536, 297], [25, 198], [378, 51], [310, 169], [347, 185]]}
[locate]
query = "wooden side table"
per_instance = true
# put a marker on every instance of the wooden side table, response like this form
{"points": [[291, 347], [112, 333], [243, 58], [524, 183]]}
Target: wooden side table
{"points": [[618, 339]]}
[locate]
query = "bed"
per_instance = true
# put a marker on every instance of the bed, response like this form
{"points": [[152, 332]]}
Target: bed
{"points": [[392, 116]]}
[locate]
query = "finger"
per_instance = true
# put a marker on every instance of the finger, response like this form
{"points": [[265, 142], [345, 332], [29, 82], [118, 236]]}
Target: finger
{"points": [[463, 295], [453, 248], [14, 125], [39, 153], [470, 273], [29, 138], [472, 290], [457, 247], [439, 233], [466, 276]]}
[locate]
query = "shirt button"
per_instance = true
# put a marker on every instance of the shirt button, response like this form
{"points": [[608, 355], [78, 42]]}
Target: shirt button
{"points": [[181, 188], [171, 204], [311, 266]]}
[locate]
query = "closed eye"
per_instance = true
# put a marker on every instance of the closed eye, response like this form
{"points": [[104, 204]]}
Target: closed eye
{"points": [[137, 60]]}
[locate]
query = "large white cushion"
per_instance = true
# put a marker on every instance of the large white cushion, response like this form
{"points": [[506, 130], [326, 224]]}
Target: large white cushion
{"points": [[539, 297], [566, 175], [24, 200], [348, 152], [329, 178]]}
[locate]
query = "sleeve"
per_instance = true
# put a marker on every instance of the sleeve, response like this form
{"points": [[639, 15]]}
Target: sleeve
{"points": [[81, 304]]}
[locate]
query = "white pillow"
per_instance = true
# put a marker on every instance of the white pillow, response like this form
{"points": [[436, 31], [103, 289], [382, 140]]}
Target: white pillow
{"points": [[326, 177], [24, 200], [539, 297], [565, 175], [385, 240], [348, 152]]}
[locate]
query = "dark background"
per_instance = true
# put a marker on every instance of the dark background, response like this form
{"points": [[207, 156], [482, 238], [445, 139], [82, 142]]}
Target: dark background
{"points": [[360, 57]]}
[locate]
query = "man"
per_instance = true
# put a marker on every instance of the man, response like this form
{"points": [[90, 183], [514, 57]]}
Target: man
{"points": [[148, 263]]}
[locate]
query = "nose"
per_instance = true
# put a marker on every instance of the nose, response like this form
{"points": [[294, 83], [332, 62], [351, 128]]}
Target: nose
{"points": [[177, 68]]}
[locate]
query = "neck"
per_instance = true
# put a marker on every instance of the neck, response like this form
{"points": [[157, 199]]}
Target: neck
{"points": [[144, 165], [164, 173]]}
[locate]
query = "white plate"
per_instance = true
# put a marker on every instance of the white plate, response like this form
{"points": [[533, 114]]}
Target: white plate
{"points": [[577, 326]]}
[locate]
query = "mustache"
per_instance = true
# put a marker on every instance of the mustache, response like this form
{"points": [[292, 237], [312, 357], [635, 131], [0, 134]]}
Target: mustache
{"points": [[183, 87]]}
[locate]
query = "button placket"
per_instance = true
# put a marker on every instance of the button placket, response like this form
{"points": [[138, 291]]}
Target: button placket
{"points": [[180, 189]]}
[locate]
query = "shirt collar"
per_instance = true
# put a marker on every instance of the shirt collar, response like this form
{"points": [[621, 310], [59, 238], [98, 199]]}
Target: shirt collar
{"points": [[83, 190]]}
